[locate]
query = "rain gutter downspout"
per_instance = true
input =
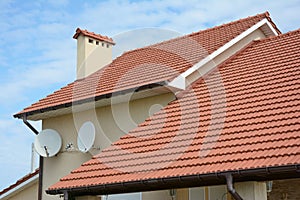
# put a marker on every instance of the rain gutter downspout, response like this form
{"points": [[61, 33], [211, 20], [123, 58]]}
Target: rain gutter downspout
{"points": [[41, 161], [231, 189]]}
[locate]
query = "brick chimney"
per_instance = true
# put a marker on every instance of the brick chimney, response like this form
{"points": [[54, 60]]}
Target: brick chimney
{"points": [[94, 51]]}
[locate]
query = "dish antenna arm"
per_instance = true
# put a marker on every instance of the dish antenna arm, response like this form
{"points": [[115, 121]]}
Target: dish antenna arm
{"points": [[45, 147]]}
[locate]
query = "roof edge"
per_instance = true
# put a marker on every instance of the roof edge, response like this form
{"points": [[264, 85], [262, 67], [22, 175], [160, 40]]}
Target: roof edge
{"points": [[88, 100], [177, 82], [267, 14], [217, 178], [29, 178]]}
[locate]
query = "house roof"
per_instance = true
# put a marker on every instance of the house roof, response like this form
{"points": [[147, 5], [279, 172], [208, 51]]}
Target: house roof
{"points": [[243, 116], [149, 65], [19, 182], [92, 35]]}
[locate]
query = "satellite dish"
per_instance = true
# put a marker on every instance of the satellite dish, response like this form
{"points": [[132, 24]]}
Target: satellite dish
{"points": [[47, 143], [86, 137]]}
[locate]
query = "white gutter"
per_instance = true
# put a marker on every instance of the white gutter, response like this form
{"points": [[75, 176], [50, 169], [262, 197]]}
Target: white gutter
{"points": [[180, 81], [20, 186]]}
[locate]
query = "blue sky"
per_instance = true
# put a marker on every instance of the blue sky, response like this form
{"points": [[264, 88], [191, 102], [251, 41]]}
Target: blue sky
{"points": [[38, 54]]}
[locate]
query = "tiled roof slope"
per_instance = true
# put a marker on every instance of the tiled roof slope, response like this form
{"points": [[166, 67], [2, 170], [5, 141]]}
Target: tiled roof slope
{"points": [[243, 115], [19, 182], [148, 65], [92, 35]]}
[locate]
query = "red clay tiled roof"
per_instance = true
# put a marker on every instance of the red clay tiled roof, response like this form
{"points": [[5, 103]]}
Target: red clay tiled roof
{"points": [[148, 65], [20, 181], [243, 115], [92, 35]]}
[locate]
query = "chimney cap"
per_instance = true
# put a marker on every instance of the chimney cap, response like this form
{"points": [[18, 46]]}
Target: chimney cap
{"points": [[92, 35]]}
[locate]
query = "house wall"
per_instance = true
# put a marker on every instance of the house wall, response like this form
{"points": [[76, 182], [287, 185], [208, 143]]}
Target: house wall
{"points": [[29, 192], [252, 190], [285, 190], [161, 195], [180, 194], [111, 122], [218, 192]]}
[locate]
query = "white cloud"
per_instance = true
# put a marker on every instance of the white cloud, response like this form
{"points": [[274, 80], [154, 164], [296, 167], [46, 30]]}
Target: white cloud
{"points": [[112, 17]]}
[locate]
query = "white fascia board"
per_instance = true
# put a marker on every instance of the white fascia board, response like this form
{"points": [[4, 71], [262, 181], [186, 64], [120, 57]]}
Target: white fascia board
{"points": [[177, 82], [32, 179], [271, 27]]}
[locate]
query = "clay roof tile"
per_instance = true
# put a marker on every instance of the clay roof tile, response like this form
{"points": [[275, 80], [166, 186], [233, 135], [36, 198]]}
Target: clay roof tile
{"points": [[257, 124], [135, 68]]}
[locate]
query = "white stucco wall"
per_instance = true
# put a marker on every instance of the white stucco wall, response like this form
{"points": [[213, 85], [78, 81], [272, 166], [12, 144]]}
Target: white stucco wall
{"points": [[111, 122], [90, 56], [28, 192]]}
